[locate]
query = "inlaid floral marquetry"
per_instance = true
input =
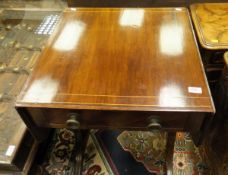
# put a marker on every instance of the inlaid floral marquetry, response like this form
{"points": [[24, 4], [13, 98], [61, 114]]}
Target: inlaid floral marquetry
{"points": [[211, 24]]}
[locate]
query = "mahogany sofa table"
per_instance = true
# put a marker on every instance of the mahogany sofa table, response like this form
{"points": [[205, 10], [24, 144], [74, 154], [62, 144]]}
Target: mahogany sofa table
{"points": [[119, 68]]}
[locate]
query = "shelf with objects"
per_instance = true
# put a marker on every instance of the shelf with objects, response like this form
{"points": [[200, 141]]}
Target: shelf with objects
{"points": [[21, 41]]}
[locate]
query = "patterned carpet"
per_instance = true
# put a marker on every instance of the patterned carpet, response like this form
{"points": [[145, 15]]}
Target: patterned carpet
{"points": [[128, 152]]}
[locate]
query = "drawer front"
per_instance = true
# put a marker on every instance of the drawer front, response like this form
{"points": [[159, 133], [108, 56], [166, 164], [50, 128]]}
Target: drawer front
{"points": [[88, 119]]}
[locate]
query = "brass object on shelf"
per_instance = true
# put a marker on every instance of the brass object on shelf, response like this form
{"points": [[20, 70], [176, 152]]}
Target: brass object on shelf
{"points": [[9, 27], [17, 45], [6, 98], [29, 28], [17, 70], [2, 67], [11, 83], [17, 59], [2, 37]]}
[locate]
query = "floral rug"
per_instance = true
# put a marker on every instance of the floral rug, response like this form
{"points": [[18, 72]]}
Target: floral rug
{"points": [[146, 147], [121, 153], [59, 159]]}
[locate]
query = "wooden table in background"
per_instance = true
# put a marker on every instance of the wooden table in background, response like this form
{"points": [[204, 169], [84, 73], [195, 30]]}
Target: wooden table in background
{"points": [[119, 68], [211, 24]]}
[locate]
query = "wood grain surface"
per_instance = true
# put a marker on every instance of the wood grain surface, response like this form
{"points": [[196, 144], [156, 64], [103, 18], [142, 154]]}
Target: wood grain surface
{"points": [[120, 59]]}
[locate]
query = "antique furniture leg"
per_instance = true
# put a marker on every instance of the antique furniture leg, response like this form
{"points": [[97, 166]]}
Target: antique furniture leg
{"points": [[169, 152], [81, 137], [166, 166]]}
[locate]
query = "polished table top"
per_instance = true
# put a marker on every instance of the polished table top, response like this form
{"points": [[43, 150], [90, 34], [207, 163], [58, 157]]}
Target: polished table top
{"points": [[211, 23], [120, 59]]}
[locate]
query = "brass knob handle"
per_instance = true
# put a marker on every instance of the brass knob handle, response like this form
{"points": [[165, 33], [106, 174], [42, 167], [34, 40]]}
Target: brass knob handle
{"points": [[72, 122], [154, 125]]}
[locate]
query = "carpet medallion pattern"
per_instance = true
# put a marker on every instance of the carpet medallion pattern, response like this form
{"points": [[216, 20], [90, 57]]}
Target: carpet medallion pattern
{"points": [[186, 155], [145, 148]]}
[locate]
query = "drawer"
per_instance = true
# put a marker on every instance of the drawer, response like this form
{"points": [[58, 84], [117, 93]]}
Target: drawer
{"points": [[89, 119]]}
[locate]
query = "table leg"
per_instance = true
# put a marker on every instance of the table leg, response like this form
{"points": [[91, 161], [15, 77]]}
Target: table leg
{"points": [[39, 133], [81, 137], [169, 152]]}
